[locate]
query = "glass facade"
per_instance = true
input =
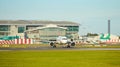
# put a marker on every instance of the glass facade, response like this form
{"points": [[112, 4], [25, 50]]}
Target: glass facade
{"points": [[48, 33], [4, 27], [51, 33], [4, 30], [45, 33], [73, 28], [21, 29]]}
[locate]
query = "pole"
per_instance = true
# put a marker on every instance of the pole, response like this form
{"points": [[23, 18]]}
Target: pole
{"points": [[109, 32]]}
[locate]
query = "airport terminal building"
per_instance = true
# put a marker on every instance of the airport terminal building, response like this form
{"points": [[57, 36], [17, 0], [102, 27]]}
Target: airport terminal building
{"points": [[41, 30]]}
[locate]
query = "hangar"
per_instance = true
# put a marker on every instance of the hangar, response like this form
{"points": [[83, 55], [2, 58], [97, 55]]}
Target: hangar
{"points": [[44, 30]]}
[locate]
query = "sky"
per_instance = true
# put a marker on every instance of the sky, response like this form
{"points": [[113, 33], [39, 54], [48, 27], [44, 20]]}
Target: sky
{"points": [[92, 15]]}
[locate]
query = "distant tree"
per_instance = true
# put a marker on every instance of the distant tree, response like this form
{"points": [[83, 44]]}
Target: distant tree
{"points": [[90, 34], [119, 37]]}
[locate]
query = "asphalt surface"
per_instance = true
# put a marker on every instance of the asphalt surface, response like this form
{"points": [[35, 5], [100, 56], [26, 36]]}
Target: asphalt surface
{"points": [[58, 48]]}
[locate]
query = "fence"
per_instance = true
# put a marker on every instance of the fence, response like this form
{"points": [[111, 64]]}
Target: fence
{"points": [[113, 41], [17, 41]]}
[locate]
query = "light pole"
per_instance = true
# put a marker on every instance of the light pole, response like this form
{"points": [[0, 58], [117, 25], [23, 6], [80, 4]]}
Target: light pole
{"points": [[109, 32]]}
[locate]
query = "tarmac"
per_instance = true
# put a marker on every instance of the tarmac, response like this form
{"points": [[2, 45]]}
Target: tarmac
{"points": [[57, 48]]}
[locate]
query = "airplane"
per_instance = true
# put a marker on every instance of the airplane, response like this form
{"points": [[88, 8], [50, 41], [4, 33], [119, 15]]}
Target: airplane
{"points": [[62, 40]]}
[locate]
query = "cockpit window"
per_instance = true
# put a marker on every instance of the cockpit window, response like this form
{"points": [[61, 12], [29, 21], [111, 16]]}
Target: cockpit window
{"points": [[64, 38]]}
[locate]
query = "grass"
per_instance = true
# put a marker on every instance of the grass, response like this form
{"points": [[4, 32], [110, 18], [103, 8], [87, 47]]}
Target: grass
{"points": [[47, 45], [60, 58], [23, 45]]}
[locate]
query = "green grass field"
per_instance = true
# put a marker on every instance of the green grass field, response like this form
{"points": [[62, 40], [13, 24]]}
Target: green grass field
{"points": [[60, 58]]}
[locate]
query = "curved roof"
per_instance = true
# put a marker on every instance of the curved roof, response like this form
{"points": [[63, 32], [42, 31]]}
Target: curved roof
{"points": [[36, 22], [45, 27]]}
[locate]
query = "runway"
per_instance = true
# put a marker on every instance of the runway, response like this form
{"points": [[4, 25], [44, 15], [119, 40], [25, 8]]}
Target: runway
{"points": [[58, 48]]}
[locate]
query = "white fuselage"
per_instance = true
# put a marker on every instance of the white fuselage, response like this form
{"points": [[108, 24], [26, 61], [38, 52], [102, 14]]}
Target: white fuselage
{"points": [[62, 39]]}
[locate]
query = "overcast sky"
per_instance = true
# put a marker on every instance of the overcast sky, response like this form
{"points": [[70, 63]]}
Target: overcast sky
{"points": [[93, 15]]}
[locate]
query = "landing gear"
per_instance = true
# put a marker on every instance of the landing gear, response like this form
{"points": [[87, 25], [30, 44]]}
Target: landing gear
{"points": [[53, 44], [68, 46], [73, 44]]}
